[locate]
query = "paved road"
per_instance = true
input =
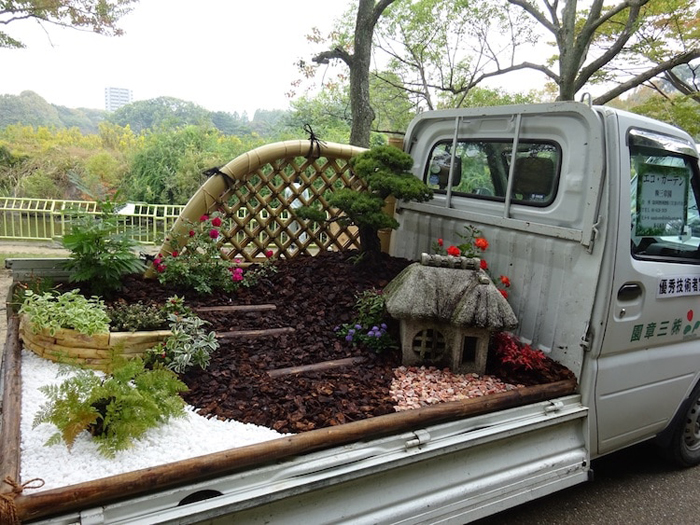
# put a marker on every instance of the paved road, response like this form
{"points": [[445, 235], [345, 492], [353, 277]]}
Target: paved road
{"points": [[631, 486]]}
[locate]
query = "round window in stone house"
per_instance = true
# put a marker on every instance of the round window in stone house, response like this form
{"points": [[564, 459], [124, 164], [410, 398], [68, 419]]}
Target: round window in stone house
{"points": [[429, 344]]}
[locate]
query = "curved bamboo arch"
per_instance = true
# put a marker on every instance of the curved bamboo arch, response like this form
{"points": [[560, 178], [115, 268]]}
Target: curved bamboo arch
{"points": [[302, 165]]}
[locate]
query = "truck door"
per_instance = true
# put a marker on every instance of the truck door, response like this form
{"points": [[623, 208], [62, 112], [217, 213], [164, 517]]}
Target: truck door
{"points": [[650, 357]]}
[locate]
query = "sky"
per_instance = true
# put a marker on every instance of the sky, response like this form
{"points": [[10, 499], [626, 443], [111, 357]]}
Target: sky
{"points": [[224, 55]]}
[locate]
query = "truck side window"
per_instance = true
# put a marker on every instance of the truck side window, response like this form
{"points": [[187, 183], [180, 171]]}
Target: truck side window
{"points": [[665, 220], [481, 170]]}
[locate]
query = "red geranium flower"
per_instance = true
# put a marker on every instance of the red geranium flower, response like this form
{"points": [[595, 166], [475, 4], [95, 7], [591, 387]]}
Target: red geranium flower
{"points": [[481, 243], [269, 253], [175, 253], [505, 280], [483, 264], [216, 221], [440, 242], [504, 294], [453, 250]]}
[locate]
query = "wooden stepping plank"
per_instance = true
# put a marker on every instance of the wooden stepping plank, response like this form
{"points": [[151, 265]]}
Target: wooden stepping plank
{"points": [[237, 308], [254, 333], [326, 365]]}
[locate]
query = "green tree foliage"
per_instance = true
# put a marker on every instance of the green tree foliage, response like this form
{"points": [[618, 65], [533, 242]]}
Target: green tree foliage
{"points": [[159, 113], [168, 168], [47, 163], [439, 50], [386, 171], [591, 40], [358, 62], [231, 123], [665, 105], [666, 41], [98, 16], [328, 113], [30, 109]]}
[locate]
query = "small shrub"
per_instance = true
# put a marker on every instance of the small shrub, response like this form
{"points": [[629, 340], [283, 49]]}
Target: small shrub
{"points": [[195, 261], [68, 310], [134, 317], [115, 409], [189, 345], [515, 356], [101, 254], [369, 327]]}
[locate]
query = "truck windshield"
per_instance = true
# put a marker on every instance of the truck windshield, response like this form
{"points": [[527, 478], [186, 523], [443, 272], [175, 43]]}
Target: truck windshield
{"points": [[481, 170], [665, 219]]}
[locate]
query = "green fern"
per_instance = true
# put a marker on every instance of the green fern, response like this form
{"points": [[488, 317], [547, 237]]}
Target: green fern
{"points": [[115, 409]]}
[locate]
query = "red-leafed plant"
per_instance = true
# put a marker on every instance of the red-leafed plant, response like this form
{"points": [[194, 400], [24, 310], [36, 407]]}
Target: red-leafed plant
{"points": [[516, 356]]}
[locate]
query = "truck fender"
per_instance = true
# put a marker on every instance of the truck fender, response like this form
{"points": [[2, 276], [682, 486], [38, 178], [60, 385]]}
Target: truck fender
{"points": [[663, 438]]}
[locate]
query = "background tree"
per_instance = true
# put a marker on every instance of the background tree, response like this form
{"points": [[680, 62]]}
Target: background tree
{"points": [[30, 109], [438, 50], [160, 112], [358, 63], [589, 41], [98, 16], [668, 34]]}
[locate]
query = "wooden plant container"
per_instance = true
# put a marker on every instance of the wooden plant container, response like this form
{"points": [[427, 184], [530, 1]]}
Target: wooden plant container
{"points": [[93, 351]]}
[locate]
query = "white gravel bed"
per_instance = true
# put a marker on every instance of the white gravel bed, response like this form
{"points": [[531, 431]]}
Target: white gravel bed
{"points": [[180, 438], [194, 435], [415, 387]]}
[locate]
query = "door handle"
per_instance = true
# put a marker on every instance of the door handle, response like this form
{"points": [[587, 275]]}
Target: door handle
{"points": [[629, 292]]}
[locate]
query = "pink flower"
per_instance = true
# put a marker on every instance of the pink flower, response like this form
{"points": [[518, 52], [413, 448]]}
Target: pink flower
{"points": [[204, 217], [175, 253], [454, 251], [483, 264], [237, 274], [481, 243], [160, 268], [216, 221], [191, 233], [157, 261], [269, 253], [213, 233]]}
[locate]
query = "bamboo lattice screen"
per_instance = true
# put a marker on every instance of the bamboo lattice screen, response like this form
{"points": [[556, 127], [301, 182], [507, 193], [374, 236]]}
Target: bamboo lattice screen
{"points": [[257, 195]]}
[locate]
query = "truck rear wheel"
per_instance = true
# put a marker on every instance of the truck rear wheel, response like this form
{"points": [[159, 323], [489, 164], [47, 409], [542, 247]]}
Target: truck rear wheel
{"points": [[684, 447]]}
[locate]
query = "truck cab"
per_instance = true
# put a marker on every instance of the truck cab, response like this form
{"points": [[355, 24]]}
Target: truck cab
{"points": [[593, 213]]}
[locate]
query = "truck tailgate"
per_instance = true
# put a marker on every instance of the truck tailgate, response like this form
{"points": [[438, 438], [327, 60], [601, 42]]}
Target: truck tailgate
{"points": [[452, 472]]}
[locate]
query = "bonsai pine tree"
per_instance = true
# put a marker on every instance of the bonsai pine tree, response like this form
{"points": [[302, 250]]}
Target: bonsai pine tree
{"points": [[386, 172]]}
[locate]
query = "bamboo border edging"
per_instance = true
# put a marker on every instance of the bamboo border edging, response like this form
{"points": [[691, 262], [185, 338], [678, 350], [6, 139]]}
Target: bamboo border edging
{"points": [[141, 482], [11, 406]]}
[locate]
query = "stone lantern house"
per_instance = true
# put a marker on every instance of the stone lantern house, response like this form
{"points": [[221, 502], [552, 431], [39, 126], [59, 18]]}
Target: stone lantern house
{"points": [[447, 307]]}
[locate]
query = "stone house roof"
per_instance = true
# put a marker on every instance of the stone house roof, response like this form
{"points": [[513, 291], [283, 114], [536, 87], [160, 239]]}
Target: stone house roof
{"points": [[463, 296]]}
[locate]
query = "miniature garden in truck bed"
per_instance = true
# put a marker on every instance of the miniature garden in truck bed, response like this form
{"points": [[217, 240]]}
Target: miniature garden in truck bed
{"points": [[293, 344]]}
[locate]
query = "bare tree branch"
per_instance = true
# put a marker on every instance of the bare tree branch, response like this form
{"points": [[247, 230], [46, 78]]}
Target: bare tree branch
{"points": [[337, 53], [647, 75], [536, 14]]}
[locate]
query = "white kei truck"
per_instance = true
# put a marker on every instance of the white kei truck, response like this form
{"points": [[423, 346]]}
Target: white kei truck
{"points": [[593, 214]]}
